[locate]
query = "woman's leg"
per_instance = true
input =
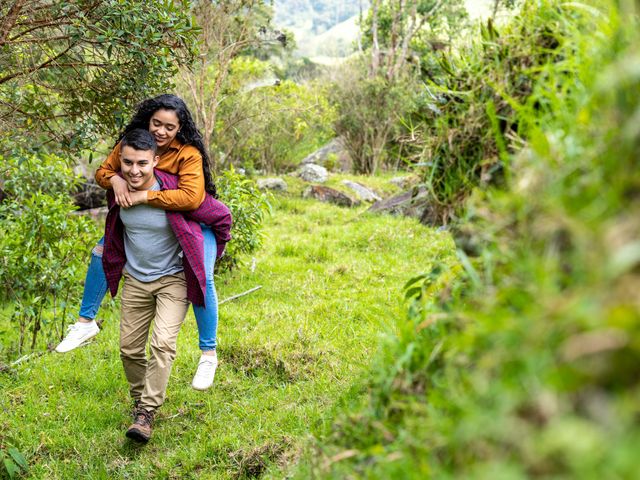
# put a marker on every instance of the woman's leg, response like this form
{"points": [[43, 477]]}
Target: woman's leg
{"points": [[207, 318], [95, 285], [95, 288]]}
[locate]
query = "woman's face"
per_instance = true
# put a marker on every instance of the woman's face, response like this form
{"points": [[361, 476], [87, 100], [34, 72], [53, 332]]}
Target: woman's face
{"points": [[164, 126]]}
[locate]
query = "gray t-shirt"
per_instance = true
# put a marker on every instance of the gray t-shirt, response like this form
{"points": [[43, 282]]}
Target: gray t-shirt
{"points": [[151, 247]]}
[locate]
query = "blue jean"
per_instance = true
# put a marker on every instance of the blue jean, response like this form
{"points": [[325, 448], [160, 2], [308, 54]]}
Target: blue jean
{"points": [[207, 317], [95, 288]]}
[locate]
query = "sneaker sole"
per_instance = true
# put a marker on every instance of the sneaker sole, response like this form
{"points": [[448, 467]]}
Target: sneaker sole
{"points": [[137, 435], [81, 344], [201, 389]]}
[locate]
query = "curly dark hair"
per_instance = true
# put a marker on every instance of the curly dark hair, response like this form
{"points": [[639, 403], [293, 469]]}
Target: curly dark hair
{"points": [[188, 133]]}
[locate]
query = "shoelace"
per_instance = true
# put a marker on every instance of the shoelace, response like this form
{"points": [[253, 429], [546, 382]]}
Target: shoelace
{"points": [[143, 417]]}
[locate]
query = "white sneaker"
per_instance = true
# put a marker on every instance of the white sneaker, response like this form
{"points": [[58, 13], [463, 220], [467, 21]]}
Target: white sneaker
{"points": [[203, 378], [78, 334]]}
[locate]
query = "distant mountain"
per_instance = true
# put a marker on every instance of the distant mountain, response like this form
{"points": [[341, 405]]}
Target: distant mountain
{"points": [[310, 19], [327, 29], [315, 16]]}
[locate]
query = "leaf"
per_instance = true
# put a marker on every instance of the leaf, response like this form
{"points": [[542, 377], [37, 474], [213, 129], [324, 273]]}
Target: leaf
{"points": [[11, 468], [413, 280], [18, 458], [413, 292]]}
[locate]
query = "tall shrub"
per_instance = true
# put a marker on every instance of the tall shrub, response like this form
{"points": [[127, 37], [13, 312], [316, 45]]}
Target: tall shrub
{"points": [[248, 207], [271, 125], [467, 117], [43, 245], [369, 113]]}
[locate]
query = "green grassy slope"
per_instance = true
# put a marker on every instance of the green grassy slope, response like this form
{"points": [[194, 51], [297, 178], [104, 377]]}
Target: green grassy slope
{"points": [[289, 353]]}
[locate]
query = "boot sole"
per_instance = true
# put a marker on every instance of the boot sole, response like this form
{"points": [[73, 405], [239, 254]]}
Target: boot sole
{"points": [[137, 435]]}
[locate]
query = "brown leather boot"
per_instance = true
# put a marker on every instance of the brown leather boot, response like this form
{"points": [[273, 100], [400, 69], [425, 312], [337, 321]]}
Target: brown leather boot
{"points": [[134, 409], [140, 430]]}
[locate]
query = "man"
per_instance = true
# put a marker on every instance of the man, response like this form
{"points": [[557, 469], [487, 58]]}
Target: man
{"points": [[160, 255]]}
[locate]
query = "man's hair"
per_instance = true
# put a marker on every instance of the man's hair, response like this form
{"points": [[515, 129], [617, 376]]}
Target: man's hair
{"points": [[139, 139]]}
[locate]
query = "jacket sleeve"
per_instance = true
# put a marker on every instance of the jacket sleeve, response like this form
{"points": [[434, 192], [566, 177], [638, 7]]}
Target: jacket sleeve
{"points": [[108, 168], [217, 216], [190, 192]]}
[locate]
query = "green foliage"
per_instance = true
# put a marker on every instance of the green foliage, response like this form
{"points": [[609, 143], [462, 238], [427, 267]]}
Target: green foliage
{"points": [[248, 207], [271, 127], [13, 462], [522, 362], [73, 69], [43, 244], [435, 17], [368, 114], [467, 119]]}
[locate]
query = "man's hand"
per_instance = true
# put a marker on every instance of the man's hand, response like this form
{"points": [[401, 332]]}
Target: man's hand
{"points": [[121, 191], [138, 196]]}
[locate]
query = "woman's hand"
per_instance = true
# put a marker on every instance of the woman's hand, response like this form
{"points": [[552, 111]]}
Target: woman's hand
{"points": [[138, 196], [121, 191]]}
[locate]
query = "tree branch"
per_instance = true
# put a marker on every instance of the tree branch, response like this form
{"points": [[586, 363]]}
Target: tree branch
{"points": [[46, 64], [10, 20]]}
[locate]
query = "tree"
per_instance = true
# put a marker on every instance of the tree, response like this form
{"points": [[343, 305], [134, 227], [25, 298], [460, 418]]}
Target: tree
{"points": [[70, 70], [392, 27], [229, 28]]}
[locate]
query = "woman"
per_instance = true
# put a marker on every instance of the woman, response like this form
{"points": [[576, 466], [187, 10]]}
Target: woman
{"points": [[181, 152]]}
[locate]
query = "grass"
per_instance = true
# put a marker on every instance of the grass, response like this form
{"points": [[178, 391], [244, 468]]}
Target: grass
{"points": [[290, 353], [525, 364]]}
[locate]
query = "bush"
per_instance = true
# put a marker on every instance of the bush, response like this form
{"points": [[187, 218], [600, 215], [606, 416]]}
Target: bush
{"points": [[271, 126], [370, 110], [522, 362], [467, 121], [248, 207], [43, 246]]}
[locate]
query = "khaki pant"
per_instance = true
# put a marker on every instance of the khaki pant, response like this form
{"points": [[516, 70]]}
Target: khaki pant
{"points": [[163, 302]]}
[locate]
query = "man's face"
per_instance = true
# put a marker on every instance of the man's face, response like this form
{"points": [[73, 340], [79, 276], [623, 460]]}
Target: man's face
{"points": [[137, 167]]}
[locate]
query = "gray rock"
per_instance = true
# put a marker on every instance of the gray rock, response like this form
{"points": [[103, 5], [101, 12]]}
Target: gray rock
{"points": [[403, 182], [333, 156], [313, 173], [319, 157], [272, 184], [97, 214], [330, 195], [89, 195], [412, 203], [362, 192]]}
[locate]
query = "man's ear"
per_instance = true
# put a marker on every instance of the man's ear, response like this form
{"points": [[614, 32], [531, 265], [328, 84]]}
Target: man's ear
{"points": [[156, 159]]}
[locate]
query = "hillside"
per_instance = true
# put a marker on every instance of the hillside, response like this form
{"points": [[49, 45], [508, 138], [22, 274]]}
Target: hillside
{"points": [[327, 29], [321, 27]]}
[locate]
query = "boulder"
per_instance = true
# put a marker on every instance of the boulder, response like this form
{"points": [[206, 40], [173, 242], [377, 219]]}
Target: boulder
{"points": [[90, 195], [333, 156], [363, 193], [313, 173], [319, 157], [272, 184], [98, 214], [412, 203], [330, 195], [405, 181]]}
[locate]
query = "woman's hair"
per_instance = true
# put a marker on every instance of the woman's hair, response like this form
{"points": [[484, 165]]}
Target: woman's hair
{"points": [[188, 133]]}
